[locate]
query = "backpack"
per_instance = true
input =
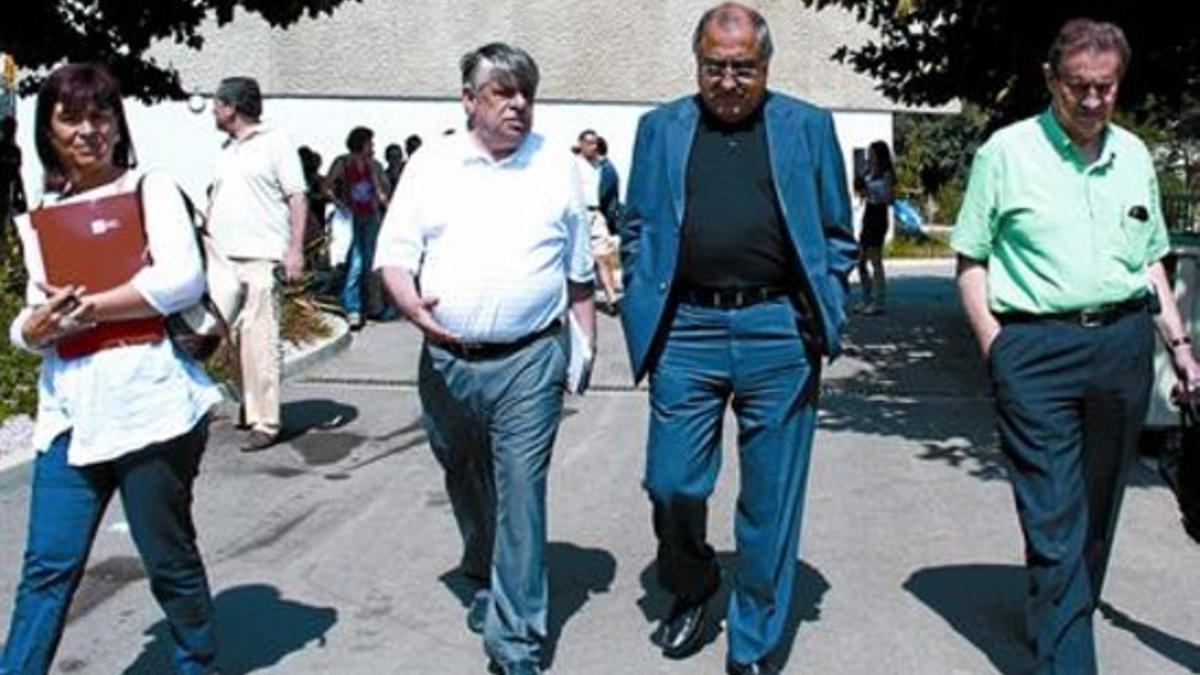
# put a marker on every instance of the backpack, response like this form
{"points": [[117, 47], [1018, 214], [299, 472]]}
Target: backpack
{"points": [[199, 330]]}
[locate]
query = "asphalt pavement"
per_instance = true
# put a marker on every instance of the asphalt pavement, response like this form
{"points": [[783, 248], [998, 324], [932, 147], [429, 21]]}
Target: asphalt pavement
{"points": [[335, 552]]}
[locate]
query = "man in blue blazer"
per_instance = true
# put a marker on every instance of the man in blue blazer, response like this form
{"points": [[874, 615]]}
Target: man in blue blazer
{"points": [[736, 244]]}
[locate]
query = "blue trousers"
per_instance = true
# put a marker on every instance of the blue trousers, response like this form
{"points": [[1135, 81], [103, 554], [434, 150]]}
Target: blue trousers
{"points": [[1070, 402], [754, 357], [68, 502], [359, 261], [491, 424]]}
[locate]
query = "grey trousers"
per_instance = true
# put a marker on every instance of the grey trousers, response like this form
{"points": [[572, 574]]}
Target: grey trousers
{"points": [[491, 423]]}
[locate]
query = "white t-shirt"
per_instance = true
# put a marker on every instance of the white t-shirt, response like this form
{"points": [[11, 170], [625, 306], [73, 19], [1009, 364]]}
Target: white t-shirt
{"points": [[494, 241], [248, 215]]}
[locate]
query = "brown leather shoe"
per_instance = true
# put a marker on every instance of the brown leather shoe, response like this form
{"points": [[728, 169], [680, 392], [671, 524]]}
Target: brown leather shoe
{"points": [[258, 440]]}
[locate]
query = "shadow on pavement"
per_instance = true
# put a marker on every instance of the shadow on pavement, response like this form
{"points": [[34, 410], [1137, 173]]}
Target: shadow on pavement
{"points": [[921, 379], [984, 604], [300, 418], [256, 629], [809, 589], [576, 574], [1178, 650]]}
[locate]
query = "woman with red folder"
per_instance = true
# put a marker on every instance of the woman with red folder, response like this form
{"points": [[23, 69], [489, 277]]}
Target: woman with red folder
{"points": [[125, 414]]}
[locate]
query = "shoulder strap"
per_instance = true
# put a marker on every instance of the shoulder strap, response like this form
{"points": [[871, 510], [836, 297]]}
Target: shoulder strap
{"points": [[200, 231]]}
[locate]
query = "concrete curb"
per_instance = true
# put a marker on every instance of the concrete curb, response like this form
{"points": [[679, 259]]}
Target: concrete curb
{"points": [[16, 458], [296, 360], [310, 356]]}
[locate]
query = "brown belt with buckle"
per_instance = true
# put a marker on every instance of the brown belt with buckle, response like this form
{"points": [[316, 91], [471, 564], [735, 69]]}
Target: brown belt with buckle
{"points": [[730, 298], [1090, 317], [495, 350]]}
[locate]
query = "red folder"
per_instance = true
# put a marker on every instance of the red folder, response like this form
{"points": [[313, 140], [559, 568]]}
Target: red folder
{"points": [[99, 244]]}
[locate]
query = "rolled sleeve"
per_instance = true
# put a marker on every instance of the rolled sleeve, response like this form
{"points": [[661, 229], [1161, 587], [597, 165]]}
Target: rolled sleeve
{"points": [[401, 241], [175, 279], [287, 167], [15, 335], [581, 268], [35, 272], [975, 227], [1160, 244]]}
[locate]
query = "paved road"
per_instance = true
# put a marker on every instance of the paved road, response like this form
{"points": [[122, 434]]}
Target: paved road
{"points": [[335, 552]]}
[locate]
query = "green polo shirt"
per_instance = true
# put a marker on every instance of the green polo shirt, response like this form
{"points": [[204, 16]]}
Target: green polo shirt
{"points": [[1059, 234]]}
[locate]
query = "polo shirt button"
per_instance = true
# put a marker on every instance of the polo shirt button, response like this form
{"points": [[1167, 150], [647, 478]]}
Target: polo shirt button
{"points": [[662, 287]]}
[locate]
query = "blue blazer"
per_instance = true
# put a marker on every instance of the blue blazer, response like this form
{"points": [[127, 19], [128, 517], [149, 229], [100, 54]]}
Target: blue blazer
{"points": [[810, 183]]}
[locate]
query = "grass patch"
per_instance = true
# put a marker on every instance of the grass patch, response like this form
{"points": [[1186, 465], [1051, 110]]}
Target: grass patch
{"points": [[18, 369], [936, 245]]}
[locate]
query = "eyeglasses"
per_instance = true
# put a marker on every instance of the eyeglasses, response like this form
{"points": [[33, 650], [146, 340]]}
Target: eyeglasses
{"points": [[744, 70]]}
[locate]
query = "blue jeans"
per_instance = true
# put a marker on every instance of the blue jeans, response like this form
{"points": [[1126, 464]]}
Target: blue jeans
{"points": [[754, 357], [359, 261], [67, 504], [491, 424]]}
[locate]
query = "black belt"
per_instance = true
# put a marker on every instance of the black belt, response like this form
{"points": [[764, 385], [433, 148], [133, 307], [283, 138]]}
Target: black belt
{"points": [[494, 350], [730, 298], [1091, 317]]}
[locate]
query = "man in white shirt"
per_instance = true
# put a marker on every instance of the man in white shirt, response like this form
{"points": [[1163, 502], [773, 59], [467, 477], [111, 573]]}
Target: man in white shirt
{"points": [[257, 214], [484, 249]]}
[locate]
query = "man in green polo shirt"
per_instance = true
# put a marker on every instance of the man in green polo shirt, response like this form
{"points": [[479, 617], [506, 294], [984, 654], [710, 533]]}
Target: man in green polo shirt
{"points": [[1060, 240]]}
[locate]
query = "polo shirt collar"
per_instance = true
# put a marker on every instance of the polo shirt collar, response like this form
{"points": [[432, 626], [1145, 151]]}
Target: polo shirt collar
{"points": [[1066, 147], [473, 153], [256, 130]]}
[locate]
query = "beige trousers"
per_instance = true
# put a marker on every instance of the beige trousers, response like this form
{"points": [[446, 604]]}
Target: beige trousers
{"points": [[256, 334]]}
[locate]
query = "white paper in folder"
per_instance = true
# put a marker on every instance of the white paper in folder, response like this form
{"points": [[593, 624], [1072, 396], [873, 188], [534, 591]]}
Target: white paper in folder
{"points": [[579, 365]]}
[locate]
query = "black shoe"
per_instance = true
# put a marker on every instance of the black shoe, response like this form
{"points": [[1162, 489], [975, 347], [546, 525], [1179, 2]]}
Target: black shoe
{"points": [[477, 613], [759, 667], [258, 440], [681, 634], [522, 668]]}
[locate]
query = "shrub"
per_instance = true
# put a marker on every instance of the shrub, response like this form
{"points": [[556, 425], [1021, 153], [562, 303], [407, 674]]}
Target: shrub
{"points": [[18, 369]]}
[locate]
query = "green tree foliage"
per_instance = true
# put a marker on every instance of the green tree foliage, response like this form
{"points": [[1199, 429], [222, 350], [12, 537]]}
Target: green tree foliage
{"points": [[42, 34], [18, 370], [989, 53], [933, 153]]}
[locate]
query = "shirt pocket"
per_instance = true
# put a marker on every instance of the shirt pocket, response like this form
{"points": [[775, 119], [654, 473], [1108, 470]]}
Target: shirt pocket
{"points": [[1132, 243]]}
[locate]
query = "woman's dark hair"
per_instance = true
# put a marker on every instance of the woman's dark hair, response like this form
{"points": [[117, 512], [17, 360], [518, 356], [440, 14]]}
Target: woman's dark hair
{"points": [[79, 86], [883, 158], [358, 139], [310, 160]]}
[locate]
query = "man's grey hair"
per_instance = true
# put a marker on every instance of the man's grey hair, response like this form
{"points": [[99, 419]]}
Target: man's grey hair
{"points": [[502, 63], [727, 16], [1082, 34]]}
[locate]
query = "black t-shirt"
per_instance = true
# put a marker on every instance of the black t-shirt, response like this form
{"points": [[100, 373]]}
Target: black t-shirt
{"points": [[733, 231]]}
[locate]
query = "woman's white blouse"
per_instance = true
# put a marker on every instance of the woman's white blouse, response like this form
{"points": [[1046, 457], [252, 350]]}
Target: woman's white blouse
{"points": [[120, 400]]}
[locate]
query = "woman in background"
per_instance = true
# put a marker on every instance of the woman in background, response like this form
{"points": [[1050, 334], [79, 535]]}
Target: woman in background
{"points": [[878, 189]]}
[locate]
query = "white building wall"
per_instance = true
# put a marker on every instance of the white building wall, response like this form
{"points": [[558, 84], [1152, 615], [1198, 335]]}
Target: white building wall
{"points": [[186, 144]]}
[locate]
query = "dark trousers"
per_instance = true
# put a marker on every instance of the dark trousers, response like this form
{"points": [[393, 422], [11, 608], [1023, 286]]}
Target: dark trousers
{"points": [[1070, 402], [753, 357], [155, 485]]}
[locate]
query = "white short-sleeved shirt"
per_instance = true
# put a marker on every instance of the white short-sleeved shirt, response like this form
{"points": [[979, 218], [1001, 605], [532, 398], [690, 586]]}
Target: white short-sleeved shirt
{"points": [[123, 399], [494, 241], [255, 175]]}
